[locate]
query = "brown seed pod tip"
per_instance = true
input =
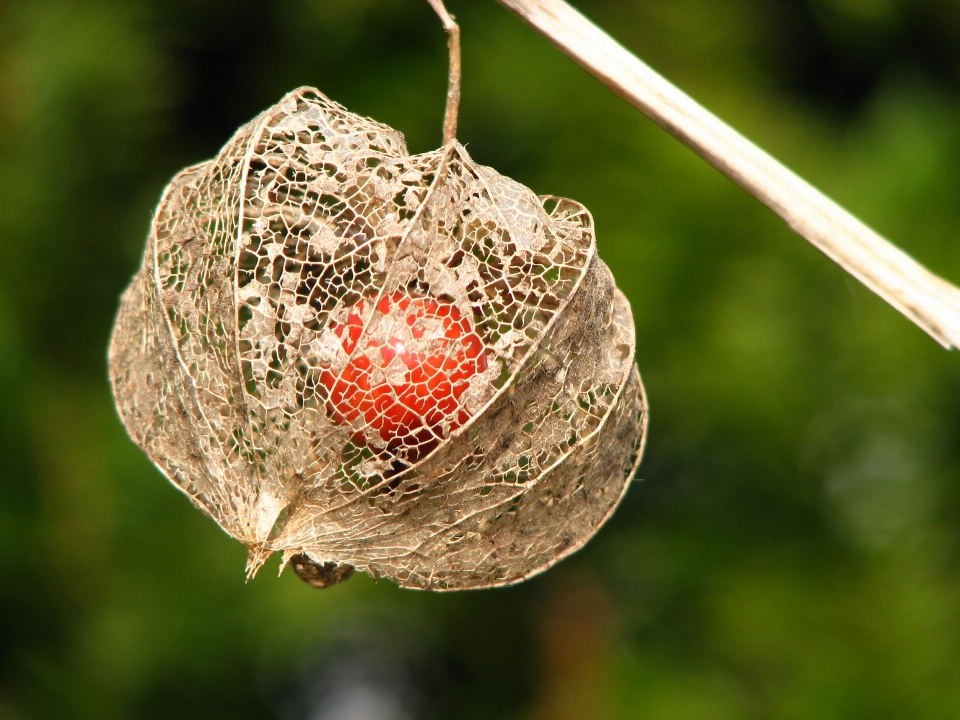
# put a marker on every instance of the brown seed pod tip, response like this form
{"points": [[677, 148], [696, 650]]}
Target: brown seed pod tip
{"points": [[320, 576]]}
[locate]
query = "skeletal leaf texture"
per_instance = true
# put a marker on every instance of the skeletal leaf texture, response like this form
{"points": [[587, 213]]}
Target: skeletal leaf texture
{"points": [[408, 365]]}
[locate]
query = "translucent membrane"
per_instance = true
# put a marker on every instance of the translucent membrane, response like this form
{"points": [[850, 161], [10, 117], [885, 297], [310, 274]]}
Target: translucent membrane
{"points": [[410, 365]]}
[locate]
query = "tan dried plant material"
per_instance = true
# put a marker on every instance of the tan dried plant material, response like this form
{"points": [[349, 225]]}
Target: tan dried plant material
{"points": [[360, 358]]}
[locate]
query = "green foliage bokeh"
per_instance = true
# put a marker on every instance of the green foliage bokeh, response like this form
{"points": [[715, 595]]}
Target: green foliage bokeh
{"points": [[794, 549]]}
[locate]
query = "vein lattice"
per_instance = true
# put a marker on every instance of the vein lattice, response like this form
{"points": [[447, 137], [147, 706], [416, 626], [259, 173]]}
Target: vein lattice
{"points": [[409, 365]]}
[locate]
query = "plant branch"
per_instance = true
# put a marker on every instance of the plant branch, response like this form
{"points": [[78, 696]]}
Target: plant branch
{"points": [[926, 299], [453, 85]]}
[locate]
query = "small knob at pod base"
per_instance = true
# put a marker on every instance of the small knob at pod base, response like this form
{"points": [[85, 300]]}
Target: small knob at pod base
{"points": [[320, 576], [410, 365]]}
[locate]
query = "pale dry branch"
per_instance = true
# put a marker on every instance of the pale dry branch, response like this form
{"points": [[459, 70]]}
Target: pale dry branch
{"points": [[926, 299], [453, 86]]}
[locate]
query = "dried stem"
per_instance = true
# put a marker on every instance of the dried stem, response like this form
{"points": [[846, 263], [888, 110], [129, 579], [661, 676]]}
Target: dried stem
{"points": [[929, 301], [453, 86]]}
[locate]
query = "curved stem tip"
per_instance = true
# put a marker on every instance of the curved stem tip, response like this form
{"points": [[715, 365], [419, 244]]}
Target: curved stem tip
{"points": [[453, 87]]}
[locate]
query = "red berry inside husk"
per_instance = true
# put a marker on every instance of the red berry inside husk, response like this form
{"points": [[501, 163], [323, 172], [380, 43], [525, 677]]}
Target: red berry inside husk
{"points": [[410, 363]]}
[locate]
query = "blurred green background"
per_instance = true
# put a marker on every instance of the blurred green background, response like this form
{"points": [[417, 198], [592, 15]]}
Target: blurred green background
{"points": [[794, 549]]}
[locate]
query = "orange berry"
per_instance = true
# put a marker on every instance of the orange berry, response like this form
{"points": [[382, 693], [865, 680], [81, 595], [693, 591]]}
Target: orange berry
{"points": [[410, 363]]}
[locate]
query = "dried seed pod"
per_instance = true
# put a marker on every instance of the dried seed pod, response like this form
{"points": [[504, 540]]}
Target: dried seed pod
{"points": [[410, 365]]}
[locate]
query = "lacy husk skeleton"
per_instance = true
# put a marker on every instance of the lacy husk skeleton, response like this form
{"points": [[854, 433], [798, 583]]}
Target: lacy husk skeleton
{"points": [[359, 358]]}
